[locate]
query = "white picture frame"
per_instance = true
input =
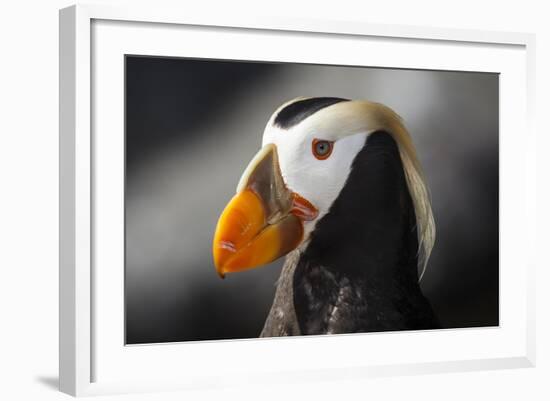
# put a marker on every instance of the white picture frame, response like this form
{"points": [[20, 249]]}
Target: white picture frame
{"points": [[92, 353]]}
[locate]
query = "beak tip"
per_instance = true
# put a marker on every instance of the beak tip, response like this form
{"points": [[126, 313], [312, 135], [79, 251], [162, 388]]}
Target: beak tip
{"points": [[221, 257], [221, 274]]}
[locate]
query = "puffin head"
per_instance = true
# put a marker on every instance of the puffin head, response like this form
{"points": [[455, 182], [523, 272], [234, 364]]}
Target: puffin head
{"points": [[308, 149]]}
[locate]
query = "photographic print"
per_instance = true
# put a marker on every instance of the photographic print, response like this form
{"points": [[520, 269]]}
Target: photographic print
{"points": [[269, 199]]}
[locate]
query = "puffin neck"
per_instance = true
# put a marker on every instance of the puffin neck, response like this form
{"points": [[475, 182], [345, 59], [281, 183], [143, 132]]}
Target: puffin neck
{"points": [[370, 230]]}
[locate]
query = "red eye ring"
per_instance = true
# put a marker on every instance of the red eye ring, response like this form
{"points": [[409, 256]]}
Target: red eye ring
{"points": [[321, 148]]}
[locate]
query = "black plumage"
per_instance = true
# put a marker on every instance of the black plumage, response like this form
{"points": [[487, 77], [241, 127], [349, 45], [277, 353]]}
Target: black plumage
{"points": [[359, 270], [299, 110]]}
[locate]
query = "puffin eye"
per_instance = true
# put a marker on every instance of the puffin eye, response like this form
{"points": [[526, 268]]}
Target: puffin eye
{"points": [[321, 149]]}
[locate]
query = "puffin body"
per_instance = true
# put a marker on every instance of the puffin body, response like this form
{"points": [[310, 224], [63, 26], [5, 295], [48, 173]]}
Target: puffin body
{"points": [[354, 228]]}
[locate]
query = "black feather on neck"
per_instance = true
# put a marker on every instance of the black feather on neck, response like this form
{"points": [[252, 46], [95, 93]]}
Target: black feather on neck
{"points": [[359, 271]]}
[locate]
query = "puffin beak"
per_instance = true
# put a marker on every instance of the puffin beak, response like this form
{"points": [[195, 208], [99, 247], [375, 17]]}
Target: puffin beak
{"points": [[263, 221]]}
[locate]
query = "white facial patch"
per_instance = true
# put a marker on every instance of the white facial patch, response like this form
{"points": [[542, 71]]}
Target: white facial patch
{"points": [[318, 181]]}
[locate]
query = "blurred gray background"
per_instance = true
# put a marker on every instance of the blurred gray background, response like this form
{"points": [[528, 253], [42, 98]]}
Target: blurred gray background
{"points": [[192, 126]]}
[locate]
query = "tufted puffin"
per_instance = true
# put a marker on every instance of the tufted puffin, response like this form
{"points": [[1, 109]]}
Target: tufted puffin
{"points": [[337, 188]]}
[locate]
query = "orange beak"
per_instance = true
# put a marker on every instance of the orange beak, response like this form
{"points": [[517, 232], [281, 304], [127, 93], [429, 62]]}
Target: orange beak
{"points": [[263, 221]]}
